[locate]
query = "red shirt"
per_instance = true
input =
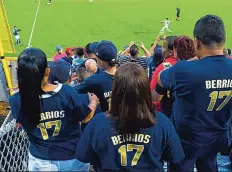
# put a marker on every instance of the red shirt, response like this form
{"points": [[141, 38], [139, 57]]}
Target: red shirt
{"points": [[166, 63], [58, 56], [229, 57]]}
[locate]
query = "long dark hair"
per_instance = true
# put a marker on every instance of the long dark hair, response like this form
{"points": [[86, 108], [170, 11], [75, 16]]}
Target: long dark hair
{"points": [[131, 102], [32, 64]]}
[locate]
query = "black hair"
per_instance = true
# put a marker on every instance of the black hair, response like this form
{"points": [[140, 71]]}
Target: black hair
{"points": [[88, 51], [225, 51], [229, 51], [80, 51], [134, 50], [170, 42], [83, 73], [32, 64], [210, 30], [168, 45], [157, 56], [166, 18]]}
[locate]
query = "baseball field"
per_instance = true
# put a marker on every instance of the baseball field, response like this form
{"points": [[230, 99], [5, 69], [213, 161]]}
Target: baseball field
{"points": [[78, 22]]}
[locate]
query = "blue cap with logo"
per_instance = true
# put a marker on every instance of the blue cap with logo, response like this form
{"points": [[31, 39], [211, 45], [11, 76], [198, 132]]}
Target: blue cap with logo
{"points": [[60, 72], [106, 51], [92, 47]]}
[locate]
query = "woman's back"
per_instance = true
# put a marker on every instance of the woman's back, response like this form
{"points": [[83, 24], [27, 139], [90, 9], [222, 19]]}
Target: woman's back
{"points": [[141, 151], [58, 131]]}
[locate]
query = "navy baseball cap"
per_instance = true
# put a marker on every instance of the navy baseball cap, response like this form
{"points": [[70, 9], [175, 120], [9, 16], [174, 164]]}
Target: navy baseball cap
{"points": [[106, 51], [92, 47], [60, 72]]}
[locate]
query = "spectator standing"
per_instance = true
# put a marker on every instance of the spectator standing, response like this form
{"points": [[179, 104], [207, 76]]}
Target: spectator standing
{"points": [[83, 73], [60, 54], [169, 60], [202, 105], [60, 72], [90, 50], [133, 50], [63, 72], [101, 82], [155, 60], [50, 114], [183, 49], [70, 54], [91, 65], [79, 59], [131, 136]]}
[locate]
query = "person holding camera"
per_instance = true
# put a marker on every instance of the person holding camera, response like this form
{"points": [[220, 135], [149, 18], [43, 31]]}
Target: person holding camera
{"points": [[133, 51], [169, 60]]}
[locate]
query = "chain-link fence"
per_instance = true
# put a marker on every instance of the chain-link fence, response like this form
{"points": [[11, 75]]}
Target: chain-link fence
{"points": [[13, 146]]}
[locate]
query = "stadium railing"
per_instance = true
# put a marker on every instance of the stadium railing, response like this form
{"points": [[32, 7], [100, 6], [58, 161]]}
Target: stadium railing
{"points": [[14, 145]]}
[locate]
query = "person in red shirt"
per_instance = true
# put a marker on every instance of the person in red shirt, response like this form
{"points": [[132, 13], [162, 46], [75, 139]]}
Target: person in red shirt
{"points": [[174, 49], [170, 60], [60, 54]]}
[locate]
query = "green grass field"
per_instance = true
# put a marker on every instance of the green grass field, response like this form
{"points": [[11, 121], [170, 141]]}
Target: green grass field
{"points": [[78, 22]]}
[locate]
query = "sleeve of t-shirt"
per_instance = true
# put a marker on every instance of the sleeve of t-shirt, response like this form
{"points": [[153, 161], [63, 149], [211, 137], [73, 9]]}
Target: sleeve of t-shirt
{"points": [[84, 151], [80, 105], [83, 87], [167, 77], [15, 107], [173, 151]]}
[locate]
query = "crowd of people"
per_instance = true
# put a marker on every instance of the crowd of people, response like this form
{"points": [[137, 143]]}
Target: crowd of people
{"points": [[126, 110]]}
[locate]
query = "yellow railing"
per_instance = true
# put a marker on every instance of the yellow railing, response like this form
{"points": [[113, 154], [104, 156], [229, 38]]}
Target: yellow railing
{"points": [[5, 67], [1, 48], [5, 19]]}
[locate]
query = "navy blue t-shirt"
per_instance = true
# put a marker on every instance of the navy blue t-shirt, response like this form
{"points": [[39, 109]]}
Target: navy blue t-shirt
{"points": [[203, 91], [101, 85], [102, 144], [58, 132]]}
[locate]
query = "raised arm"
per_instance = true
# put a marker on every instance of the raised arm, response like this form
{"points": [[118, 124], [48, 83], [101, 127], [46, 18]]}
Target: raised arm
{"points": [[126, 51], [146, 52], [154, 45]]}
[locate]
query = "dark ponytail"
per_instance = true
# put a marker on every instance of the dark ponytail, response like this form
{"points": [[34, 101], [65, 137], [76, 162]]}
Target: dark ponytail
{"points": [[32, 64]]}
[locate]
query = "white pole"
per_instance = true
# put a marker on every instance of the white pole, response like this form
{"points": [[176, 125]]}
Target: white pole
{"points": [[29, 43]]}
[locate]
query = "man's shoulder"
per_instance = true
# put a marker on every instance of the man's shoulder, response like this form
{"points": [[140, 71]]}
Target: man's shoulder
{"points": [[143, 58], [123, 58], [100, 120], [93, 79]]}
